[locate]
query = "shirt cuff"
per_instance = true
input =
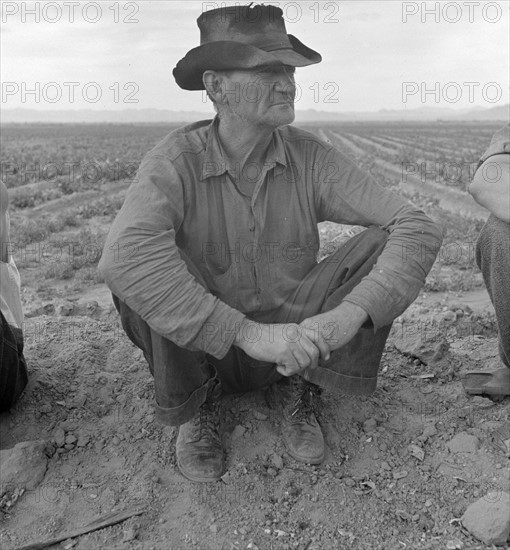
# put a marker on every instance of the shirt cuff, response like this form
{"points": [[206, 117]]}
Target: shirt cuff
{"points": [[218, 333], [380, 306]]}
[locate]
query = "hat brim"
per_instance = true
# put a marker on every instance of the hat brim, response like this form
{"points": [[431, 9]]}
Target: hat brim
{"points": [[230, 55]]}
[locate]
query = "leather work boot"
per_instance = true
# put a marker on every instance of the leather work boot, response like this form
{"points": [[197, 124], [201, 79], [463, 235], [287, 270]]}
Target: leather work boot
{"points": [[200, 454], [301, 432]]}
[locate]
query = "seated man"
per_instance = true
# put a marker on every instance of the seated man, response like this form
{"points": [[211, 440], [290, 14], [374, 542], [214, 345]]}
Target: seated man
{"points": [[13, 369], [212, 258], [491, 188]]}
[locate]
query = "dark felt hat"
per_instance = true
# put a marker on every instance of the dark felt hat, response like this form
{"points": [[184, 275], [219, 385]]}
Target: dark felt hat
{"points": [[241, 37]]}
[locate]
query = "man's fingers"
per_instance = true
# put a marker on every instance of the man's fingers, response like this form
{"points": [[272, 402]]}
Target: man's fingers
{"points": [[312, 351], [303, 360], [284, 370], [319, 341]]}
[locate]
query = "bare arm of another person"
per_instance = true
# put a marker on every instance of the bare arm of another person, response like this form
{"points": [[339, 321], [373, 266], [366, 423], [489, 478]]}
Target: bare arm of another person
{"points": [[4, 226], [491, 186]]}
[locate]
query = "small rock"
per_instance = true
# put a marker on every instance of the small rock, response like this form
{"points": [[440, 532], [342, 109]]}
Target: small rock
{"points": [[129, 534], [447, 317], [488, 519], [79, 401], [213, 528], [258, 415], [417, 452], [440, 350], [271, 471], [59, 437], [454, 544], [66, 309], [277, 461], [463, 443], [68, 425], [349, 482], [385, 466], [46, 408], [403, 515], [24, 465], [238, 431], [70, 439], [83, 440], [370, 425], [456, 306], [428, 431], [400, 475]]}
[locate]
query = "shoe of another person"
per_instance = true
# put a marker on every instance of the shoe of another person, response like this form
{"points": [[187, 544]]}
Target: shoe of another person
{"points": [[301, 432], [200, 453]]}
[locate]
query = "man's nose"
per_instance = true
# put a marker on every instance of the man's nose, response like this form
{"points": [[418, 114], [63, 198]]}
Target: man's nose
{"points": [[286, 84]]}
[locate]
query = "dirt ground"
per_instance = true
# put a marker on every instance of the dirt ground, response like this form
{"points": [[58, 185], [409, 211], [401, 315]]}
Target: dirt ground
{"points": [[388, 481], [401, 466]]}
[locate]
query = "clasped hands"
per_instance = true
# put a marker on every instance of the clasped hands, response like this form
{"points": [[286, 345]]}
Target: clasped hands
{"points": [[297, 347]]}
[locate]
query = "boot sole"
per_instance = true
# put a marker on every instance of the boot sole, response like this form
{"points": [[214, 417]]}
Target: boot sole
{"points": [[295, 456], [198, 479], [306, 460]]}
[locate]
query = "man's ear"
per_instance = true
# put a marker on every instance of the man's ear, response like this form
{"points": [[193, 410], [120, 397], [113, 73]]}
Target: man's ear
{"points": [[212, 83]]}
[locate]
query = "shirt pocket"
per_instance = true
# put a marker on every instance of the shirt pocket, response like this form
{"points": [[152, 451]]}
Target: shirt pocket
{"points": [[225, 285]]}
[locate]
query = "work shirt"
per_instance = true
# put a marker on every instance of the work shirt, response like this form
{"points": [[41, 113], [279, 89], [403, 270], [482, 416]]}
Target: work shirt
{"points": [[10, 297], [252, 251]]}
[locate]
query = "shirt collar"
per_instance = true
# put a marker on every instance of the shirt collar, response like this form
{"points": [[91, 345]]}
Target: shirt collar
{"points": [[216, 162]]}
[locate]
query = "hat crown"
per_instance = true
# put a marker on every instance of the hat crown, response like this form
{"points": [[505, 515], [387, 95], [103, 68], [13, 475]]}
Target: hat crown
{"points": [[260, 26]]}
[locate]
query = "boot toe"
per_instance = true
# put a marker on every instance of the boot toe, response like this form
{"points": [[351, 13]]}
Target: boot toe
{"points": [[304, 443]]}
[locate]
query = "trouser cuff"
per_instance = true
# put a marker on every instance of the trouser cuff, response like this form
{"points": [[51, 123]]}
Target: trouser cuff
{"points": [[339, 383], [176, 416]]}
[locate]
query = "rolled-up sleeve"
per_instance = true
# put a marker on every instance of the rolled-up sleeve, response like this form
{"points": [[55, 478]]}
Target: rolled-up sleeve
{"points": [[348, 195], [143, 266]]}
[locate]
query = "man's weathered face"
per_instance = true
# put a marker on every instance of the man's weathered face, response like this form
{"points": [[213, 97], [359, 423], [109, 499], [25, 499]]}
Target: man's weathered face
{"points": [[263, 96]]}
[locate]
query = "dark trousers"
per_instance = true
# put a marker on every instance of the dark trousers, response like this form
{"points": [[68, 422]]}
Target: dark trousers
{"points": [[13, 368], [493, 258], [182, 378]]}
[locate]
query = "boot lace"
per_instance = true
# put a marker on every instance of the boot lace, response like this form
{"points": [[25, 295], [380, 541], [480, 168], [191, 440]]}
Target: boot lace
{"points": [[208, 420], [306, 404]]}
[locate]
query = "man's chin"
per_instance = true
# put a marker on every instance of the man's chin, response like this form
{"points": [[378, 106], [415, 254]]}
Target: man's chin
{"points": [[283, 114]]}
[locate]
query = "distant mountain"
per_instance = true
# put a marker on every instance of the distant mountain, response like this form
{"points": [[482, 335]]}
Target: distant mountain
{"points": [[156, 116], [501, 113]]}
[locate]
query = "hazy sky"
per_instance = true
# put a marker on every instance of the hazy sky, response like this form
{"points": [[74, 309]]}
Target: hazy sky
{"points": [[371, 50]]}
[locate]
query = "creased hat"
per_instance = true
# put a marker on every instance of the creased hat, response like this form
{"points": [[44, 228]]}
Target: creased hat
{"points": [[241, 37]]}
